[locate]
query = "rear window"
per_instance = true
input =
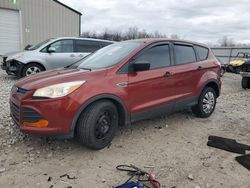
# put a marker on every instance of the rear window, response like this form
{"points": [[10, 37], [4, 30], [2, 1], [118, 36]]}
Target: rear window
{"points": [[103, 44], [184, 54], [202, 52], [87, 46]]}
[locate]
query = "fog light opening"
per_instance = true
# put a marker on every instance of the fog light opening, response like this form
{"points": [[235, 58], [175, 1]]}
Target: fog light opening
{"points": [[38, 124]]}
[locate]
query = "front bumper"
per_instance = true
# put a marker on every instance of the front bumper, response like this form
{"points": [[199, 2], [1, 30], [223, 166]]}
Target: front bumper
{"points": [[12, 67], [58, 112], [3, 63]]}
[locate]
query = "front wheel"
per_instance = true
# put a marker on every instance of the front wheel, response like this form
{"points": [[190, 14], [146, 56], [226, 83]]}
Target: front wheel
{"points": [[245, 82], [206, 103], [31, 68], [97, 125]]}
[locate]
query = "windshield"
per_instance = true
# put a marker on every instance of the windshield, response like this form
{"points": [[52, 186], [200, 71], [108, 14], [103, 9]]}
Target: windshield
{"points": [[108, 56], [38, 45]]}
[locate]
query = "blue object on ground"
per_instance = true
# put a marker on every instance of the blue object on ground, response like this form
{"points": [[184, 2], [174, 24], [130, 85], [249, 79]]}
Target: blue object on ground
{"points": [[131, 184]]}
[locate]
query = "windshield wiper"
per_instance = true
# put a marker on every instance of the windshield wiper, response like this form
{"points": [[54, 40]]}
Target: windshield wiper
{"points": [[69, 65], [85, 68]]}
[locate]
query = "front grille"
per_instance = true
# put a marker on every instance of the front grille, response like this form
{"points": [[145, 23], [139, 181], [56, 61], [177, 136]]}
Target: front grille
{"points": [[4, 59], [30, 115], [18, 90], [21, 90], [15, 111]]}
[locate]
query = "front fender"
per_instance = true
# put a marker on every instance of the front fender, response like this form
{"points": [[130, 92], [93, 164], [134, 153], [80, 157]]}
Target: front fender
{"points": [[97, 98], [27, 60]]}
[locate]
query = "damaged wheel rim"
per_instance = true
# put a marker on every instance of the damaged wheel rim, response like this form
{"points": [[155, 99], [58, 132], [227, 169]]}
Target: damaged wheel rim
{"points": [[208, 102]]}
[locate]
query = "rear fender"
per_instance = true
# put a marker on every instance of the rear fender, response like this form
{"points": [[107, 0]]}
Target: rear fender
{"points": [[209, 78]]}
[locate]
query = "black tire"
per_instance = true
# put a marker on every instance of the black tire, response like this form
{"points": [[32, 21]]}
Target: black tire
{"points": [[222, 71], [238, 70], [245, 82], [199, 110], [95, 135], [29, 66]]}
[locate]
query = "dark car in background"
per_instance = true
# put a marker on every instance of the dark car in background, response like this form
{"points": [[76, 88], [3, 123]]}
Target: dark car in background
{"points": [[50, 54]]}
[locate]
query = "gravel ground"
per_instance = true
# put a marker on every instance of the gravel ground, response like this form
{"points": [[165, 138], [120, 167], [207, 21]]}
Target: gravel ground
{"points": [[173, 148]]}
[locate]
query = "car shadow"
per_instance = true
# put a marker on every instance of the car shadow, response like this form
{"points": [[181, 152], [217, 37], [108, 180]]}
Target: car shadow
{"points": [[54, 144]]}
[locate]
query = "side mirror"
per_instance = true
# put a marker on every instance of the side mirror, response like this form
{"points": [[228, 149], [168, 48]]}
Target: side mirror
{"points": [[51, 49], [140, 66], [27, 47]]}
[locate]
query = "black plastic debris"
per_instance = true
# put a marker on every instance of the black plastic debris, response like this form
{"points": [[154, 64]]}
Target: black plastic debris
{"points": [[227, 144], [233, 146], [244, 160]]}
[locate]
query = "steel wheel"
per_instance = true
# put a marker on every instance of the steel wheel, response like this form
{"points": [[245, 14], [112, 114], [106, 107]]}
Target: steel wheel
{"points": [[97, 125], [103, 124]]}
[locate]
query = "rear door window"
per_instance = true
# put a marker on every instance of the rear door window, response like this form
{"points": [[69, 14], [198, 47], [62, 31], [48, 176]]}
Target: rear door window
{"points": [[202, 52], [184, 54], [86, 46], [63, 46], [158, 56]]}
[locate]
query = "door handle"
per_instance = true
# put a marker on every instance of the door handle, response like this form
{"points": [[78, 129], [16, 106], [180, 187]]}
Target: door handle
{"points": [[168, 74], [199, 68]]}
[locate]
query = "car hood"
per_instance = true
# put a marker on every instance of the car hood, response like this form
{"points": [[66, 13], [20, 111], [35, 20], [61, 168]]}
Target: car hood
{"points": [[58, 76], [19, 55], [10, 53]]}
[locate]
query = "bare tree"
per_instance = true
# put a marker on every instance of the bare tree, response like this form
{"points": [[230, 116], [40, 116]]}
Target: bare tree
{"points": [[225, 41], [130, 33], [174, 36]]}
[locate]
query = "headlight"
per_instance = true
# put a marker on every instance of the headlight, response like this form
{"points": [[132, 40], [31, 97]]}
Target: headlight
{"points": [[58, 90]]}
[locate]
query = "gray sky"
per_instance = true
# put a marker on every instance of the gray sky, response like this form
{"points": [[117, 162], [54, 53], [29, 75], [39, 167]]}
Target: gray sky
{"points": [[203, 21]]}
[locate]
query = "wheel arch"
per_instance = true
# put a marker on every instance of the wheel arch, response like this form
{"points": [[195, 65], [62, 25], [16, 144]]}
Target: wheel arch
{"points": [[35, 62], [213, 84], [124, 117]]}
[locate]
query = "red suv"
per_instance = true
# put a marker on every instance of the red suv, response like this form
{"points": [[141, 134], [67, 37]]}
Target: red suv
{"points": [[117, 85]]}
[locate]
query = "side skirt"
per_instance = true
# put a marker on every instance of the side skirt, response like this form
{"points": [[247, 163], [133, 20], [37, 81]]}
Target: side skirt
{"points": [[164, 109]]}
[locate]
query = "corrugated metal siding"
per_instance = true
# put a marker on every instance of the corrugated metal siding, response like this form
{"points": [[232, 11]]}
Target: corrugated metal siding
{"points": [[9, 30], [42, 19]]}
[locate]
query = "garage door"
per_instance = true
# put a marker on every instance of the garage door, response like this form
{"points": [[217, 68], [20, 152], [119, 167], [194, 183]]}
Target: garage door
{"points": [[9, 31]]}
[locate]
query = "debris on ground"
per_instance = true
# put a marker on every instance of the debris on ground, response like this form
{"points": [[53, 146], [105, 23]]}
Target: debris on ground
{"points": [[2, 170], [190, 177]]}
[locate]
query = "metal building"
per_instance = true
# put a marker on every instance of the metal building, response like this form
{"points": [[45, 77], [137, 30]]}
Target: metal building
{"points": [[24, 22]]}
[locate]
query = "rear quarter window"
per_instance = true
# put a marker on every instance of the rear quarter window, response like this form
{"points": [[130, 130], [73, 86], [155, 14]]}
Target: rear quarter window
{"points": [[202, 52], [86, 46]]}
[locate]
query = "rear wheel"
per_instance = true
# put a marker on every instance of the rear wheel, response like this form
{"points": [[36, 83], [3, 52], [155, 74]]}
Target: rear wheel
{"points": [[31, 68], [97, 125], [206, 103], [245, 83]]}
